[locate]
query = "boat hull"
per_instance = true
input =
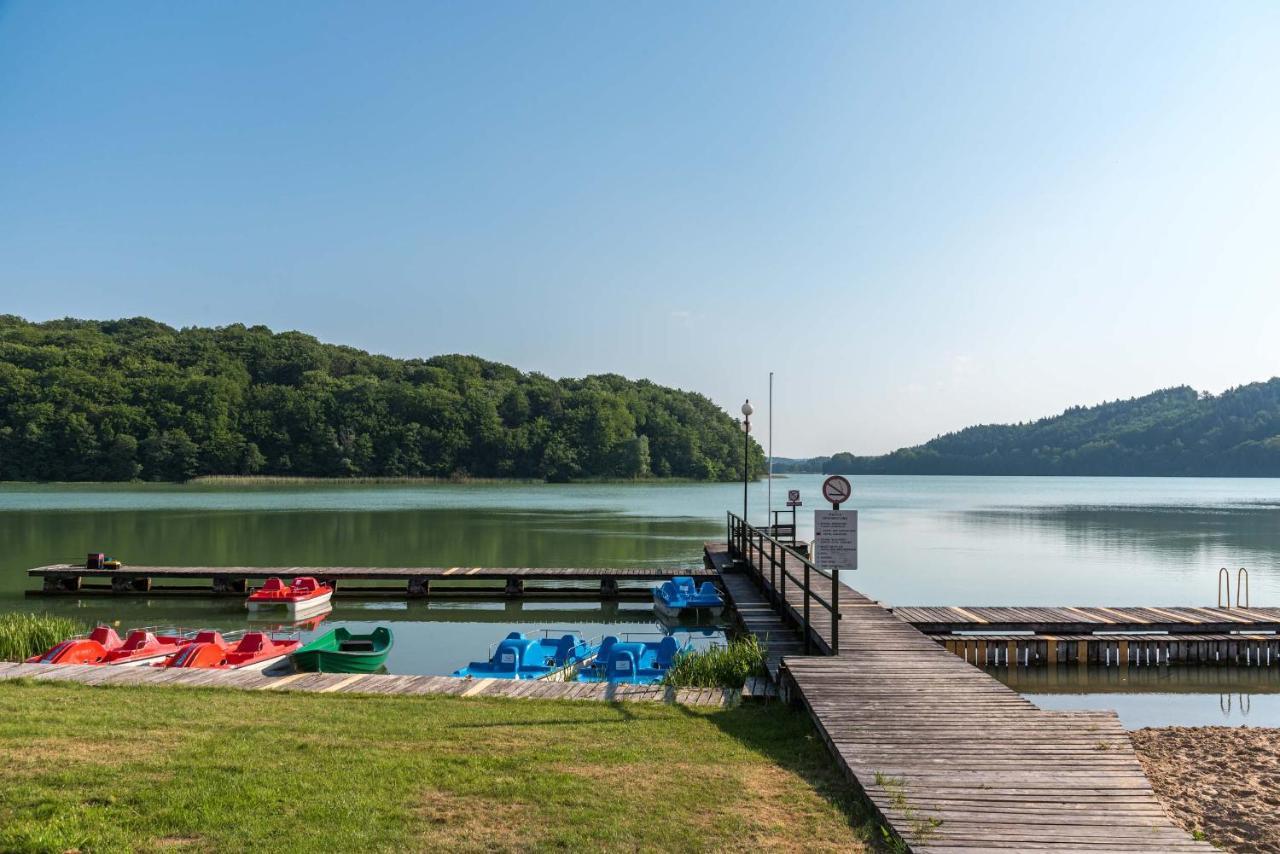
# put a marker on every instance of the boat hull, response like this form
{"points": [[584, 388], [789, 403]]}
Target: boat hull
{"points": [[326, 655], [291, 607]]}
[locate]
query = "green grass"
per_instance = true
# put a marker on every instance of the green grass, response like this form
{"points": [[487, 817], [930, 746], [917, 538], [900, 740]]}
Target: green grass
{"points": [[134, 768], [718, 666], [25, 635]]}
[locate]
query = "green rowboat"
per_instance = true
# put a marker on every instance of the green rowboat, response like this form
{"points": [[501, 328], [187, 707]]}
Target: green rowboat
{"points": [[339, 651]]}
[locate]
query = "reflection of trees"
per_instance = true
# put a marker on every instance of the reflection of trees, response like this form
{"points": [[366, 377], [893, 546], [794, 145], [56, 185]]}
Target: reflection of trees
{"points": [[433, 537], [1249, 532]]}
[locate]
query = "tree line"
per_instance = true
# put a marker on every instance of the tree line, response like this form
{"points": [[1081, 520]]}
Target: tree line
{"points": [[1172, 432], [86, 400]]}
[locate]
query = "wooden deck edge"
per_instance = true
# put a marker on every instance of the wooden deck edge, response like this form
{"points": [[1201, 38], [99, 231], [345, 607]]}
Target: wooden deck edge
{"points": [[371, 684]]}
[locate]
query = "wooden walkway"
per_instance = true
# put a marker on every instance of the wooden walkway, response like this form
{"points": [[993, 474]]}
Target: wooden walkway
{"points": [[956, 762], [342, 683], [1085, 620], [1114, 650], [756, 614]]}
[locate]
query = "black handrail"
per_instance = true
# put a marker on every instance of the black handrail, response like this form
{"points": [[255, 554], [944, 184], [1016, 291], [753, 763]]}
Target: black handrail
{"points": [[744, 538]]}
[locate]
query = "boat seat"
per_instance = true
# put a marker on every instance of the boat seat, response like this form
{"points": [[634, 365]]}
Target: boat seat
{"points": [[667, 651], [139, 639], [207, 636], [356, 646], [305, 584], [273, 585], [106, 636], [252, 642], [709, 590]]}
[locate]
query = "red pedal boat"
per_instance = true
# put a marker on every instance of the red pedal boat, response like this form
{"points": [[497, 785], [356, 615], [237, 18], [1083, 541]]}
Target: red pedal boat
{"points": [[82, 650], [254, 651], [144, 647], [304, 596]]}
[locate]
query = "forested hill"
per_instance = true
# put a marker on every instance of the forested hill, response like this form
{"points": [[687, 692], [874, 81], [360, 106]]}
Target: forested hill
{"points": [[1173, 432], [125, 399]]}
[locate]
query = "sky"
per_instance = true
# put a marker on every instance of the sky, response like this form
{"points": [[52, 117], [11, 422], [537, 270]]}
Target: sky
{"points": [[920, 216]]}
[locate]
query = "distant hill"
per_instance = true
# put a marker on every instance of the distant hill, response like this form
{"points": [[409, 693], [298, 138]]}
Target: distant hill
{"points": [[1177, 431], [126, 399], [789, 465]]}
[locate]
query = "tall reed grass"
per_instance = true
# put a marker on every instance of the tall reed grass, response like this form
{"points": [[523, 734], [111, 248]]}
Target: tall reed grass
{"points": [[25, 635], [718, 666]]}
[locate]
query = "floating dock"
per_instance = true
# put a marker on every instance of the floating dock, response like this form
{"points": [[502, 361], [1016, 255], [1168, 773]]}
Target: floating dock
{"points": [[413, 582], [1089, 620]]}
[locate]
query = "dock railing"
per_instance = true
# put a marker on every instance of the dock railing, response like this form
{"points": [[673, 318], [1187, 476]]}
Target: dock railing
{"points": [[777, 563]]}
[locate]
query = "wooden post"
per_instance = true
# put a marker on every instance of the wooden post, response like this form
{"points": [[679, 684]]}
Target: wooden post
{"points": [[835, 612], [419, 588], [608, 588], [515, 587], [807, 643]]}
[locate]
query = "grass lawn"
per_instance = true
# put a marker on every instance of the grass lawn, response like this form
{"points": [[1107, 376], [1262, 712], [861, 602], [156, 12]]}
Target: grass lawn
{"points": [[123, 768]]}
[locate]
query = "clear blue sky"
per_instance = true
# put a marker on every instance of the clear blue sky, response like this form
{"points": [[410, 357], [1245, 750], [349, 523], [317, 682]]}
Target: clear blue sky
{"points": [[920, 216]]}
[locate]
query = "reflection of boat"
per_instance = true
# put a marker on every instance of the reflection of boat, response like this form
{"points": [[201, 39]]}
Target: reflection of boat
{"points": [[340, 651], [305, 596], [253, 651], [637, 662], [81, 649], [144, 647], [680, 595], [518, 657], [269, 624]]}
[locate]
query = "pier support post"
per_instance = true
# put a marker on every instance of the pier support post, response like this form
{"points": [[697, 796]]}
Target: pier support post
{"points": [[130, 585], [61, 583], [608, 588], [229, 584], [419, 588], [515, 588]]}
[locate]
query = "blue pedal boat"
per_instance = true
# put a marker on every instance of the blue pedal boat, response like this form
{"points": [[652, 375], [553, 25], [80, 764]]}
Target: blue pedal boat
{"points": [[519, 657], [634, 662], [680, 595]]}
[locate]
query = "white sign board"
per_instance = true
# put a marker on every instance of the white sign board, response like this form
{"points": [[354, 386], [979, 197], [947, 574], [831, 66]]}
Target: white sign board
{"points": [[835, 539], [793, 498], [836, 489]]}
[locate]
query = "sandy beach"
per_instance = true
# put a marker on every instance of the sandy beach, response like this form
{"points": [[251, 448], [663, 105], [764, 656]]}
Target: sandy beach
{"points": [[1223, 782]]}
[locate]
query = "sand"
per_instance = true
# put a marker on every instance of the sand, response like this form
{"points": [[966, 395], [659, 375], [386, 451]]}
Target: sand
{"points": [[1223, 782]]}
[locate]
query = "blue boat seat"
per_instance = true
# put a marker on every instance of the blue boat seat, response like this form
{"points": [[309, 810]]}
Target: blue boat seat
{"points": [[667, 651]]}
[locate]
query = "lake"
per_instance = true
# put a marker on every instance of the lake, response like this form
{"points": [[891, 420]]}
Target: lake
{"points": [[923, 540]]}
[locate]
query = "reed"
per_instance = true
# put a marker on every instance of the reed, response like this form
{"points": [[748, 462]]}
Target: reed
{"points": [[719, 666], [25, 635]]}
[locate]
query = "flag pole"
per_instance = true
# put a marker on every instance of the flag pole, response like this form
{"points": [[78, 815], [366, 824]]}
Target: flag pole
{"points": [[768, 517]]}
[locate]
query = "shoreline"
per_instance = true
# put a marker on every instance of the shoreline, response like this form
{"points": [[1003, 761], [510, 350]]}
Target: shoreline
{"points": [[1221, 784]]}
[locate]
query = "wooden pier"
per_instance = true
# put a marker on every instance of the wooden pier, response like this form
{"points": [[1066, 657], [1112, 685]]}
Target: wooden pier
{"points": [[343, 683], [1087, 620], [414, 582], [952, 759]]}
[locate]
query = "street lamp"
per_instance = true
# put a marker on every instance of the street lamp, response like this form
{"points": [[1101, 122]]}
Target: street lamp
{"points": [[746, 454]]}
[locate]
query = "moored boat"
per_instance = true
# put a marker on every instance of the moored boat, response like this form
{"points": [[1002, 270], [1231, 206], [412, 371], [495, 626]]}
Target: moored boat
{"points": [[304, 596], [85, 649], [253, 651], [145, 647], [681, 595], [635, 662], [519, 657], [340, 651]]}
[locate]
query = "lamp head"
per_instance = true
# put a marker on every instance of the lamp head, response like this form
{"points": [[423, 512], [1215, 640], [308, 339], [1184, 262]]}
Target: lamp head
{"points": [[746, 409]]}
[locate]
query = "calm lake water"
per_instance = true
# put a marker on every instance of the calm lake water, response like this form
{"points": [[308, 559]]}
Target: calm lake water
{"points": [[923, 540]]}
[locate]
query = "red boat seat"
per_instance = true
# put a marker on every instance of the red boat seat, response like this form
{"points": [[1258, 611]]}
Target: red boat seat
{"points": [[106, 636], [304, 585], [207, 636], [139, 639], [253, 642], [273, 585]]}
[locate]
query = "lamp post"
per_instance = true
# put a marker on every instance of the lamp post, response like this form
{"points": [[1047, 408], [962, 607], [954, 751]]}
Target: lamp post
{"points": [[746, 454]]}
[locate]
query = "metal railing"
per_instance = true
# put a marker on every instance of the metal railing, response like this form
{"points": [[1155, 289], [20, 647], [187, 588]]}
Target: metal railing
{"points": [[765, 554]]}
